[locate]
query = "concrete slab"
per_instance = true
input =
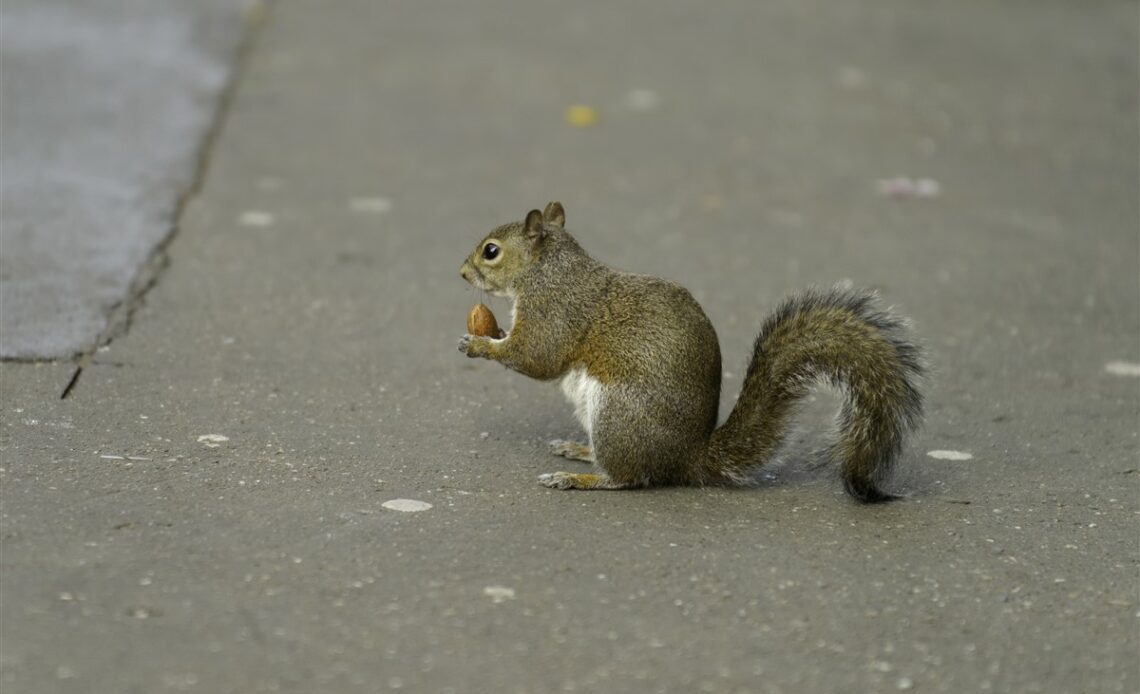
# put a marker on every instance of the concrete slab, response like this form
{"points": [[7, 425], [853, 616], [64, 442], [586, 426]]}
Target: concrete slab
{"points": [[104, 108], [311, 309]]}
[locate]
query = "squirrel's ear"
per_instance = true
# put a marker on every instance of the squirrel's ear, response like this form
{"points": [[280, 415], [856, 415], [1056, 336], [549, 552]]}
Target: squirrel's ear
{"points": [[554, 215], [533, 225]]}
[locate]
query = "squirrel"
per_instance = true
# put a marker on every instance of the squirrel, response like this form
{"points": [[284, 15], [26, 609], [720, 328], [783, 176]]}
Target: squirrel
{"points": [[640, 362]]}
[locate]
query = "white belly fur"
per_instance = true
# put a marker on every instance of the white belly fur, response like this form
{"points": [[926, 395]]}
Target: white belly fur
{"points": [[585, 393]]}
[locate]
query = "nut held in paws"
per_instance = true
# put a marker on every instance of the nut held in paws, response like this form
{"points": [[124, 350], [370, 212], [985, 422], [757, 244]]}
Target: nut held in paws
{"points": [[482, 322]]}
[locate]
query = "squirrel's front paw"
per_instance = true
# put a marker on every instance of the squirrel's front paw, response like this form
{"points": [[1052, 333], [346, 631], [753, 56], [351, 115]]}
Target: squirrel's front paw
{"points": [[473, 345]]}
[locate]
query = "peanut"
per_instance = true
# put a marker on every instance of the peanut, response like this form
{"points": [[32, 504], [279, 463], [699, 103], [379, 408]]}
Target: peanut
{"points": [[482, 322]]}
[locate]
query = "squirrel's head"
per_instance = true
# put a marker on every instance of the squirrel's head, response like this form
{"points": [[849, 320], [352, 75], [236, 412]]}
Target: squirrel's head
{"points": [[511, 250]]}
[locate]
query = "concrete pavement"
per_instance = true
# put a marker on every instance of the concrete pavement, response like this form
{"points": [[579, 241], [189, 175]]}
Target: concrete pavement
{"points": [[205, 512], [105, 106]]}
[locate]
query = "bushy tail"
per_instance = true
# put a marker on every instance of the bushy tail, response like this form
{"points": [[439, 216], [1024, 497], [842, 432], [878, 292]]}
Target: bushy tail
{"points": [[843, 337]]}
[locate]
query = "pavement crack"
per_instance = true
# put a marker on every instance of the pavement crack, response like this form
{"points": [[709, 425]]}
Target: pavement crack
{"points": [[71, 383], [120, 316]]}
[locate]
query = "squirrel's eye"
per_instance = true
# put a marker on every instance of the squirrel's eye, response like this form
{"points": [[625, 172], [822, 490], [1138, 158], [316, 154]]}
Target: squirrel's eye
{"points": [[490, 252]]}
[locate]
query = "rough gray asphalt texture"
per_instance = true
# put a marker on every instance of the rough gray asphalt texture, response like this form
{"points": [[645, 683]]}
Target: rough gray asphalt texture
{"points": [[376, 144], [104, 105]]}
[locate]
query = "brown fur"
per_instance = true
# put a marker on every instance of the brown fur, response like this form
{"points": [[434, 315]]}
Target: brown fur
{"points": [[655, 354]]}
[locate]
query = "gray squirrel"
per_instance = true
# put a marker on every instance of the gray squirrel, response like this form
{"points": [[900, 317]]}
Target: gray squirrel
{"points": [[641, 364]]}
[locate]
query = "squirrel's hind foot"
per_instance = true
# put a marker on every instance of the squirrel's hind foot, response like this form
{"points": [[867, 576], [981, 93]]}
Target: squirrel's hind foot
{"points": [[572, 450], [571, 480]]}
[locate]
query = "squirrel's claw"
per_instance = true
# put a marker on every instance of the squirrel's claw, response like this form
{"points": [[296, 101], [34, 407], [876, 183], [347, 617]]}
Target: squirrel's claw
{"points": [[465, 345]]}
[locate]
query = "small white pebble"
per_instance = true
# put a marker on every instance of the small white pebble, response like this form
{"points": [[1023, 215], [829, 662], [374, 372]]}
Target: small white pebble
{"points": [[484, 434], [904, 683], [406, 505], [904, 187], [949, 455], [499, 593], [373, 205], [212, 440], [1122, 368], [256, 218]]}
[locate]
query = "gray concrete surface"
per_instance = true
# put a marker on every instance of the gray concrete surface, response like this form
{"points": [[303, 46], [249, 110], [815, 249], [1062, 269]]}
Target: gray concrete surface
{"points": [[104, 105], [312, 305]]}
